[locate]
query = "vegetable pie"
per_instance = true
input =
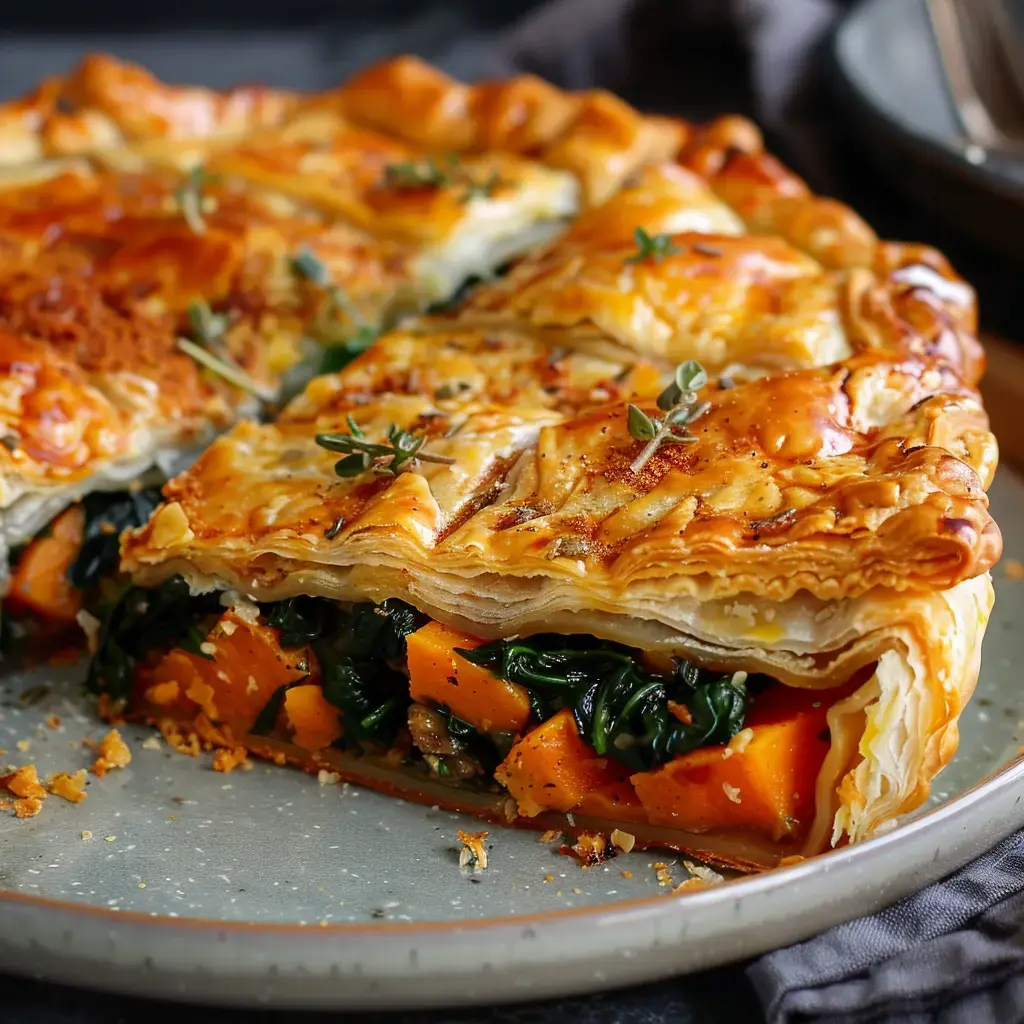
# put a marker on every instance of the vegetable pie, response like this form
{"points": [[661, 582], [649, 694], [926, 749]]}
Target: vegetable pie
{"points": [[677, 525]]}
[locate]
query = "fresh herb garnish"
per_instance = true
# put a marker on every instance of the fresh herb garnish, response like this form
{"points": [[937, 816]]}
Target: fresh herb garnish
{"points": [[621, 709], [418, 174], [428, 174], [231, 372], [191, 199], [403, 449], [335, 528], [484, 189], [207, 327], [207, 347], [107, 516], [679, 403], [652, 247]]}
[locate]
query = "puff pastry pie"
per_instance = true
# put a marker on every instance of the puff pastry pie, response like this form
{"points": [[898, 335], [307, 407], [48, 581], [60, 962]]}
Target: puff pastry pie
{"points": [[679, 526]]}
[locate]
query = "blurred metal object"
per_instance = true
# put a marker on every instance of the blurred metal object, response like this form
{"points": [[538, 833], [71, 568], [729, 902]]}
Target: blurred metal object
{"points": [[984, 74]]}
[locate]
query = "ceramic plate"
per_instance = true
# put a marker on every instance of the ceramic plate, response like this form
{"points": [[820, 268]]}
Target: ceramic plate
{"points": [[264, 887], [889, 71]]}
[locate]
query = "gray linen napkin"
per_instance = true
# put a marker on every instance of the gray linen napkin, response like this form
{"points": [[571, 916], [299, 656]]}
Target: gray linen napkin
{"points": [[953, 952]]}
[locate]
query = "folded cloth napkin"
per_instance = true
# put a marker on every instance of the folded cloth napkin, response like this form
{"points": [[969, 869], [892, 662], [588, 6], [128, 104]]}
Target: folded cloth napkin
{"points": [[953, 952]]}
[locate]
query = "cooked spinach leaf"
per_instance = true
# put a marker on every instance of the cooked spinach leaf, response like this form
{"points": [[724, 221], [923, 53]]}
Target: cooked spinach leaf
{"points": [[107, 516], [359, 651], [621, 708], [139, 621], [489, 749], [267, 718], [300, 619]]}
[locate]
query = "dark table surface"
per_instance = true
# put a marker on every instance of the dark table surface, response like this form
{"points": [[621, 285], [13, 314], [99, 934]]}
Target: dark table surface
{"points": [[297, 56]]}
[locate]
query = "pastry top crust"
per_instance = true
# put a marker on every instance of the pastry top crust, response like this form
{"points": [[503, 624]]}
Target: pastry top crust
{"points": [[832, 480], [104, 103]]}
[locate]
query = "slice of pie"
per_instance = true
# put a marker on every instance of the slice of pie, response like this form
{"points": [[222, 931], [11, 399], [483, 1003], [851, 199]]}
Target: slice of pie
{"points": [[677, 527]]}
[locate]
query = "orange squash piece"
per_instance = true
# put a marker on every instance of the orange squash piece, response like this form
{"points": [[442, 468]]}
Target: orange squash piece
{"points": [[615, 799], [552, 769], [248, 667], [437, 675], [40, 581], [766, 784], [314, 721]]}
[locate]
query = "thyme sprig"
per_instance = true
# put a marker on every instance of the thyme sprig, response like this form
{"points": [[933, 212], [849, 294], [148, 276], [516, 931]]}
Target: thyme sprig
{"points": [[307, 265], [679, 403], [428, 173], [191, 199], [402, 450], [418, 174], [651, 247], [207, 347]]}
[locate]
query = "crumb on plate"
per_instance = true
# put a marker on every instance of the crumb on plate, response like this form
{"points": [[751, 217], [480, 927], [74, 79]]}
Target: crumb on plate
{"points": [[69, 786], [473, 853], [112, 752]]}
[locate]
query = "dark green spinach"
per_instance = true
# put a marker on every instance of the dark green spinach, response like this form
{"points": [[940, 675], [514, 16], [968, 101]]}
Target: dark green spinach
{"points": [[107, 516], [621, 708], [360, 652], [139, 621]]}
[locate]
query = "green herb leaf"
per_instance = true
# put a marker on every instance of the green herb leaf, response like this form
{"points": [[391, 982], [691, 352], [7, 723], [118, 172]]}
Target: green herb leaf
{"points": [[401, 449], [301, 620], [191, 199], [306, 264], [418, 174], [679, 402], [690, 376], [207, 326], [640, 425], [651, 247]]}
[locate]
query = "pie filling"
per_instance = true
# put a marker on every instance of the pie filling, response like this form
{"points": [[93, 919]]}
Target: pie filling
{"points": [[68, 570], [545, 723]]}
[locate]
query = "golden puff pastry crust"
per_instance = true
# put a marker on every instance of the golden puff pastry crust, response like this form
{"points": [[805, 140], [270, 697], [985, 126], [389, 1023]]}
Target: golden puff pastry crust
{"points": [[105, 103]]}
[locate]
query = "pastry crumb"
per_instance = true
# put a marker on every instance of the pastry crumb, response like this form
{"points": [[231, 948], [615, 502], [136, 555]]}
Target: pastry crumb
{"points": [[111, 753], [627, 874], [23, 745], [151, 743], [549, 836], [473, 853], [703, 873], [27, 807], [326, 778], [732, 793], [228, 759], [184, 741], [623, 841], [1013, 569], [86, 834], [53, 721], [590, 849], [69, 787], [24, 782]]}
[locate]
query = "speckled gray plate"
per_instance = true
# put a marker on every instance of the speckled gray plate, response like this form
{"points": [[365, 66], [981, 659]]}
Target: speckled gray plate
{"points": [[265, 887]]}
